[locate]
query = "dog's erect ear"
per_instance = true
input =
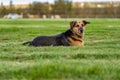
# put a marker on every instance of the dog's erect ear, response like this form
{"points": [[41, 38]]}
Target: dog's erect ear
{"points": [[85, 22], [72, 23]]}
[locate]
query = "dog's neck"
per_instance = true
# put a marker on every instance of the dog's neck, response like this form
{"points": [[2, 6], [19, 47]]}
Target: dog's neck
{"points": [[73, 39], [73, 35], [77, 36]]}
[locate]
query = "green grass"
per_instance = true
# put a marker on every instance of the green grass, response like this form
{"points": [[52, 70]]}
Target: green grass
{"points": [[99, 59]]}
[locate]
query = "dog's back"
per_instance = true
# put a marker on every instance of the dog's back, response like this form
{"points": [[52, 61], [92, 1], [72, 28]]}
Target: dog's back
{"points": [[58, 40], [44, 41]]}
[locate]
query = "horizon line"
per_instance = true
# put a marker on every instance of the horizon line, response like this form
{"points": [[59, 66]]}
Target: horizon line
{"points": [[92, 1]]}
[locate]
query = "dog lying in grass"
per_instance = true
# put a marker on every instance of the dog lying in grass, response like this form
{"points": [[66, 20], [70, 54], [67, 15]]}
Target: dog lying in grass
{"points": [[72, 37]]}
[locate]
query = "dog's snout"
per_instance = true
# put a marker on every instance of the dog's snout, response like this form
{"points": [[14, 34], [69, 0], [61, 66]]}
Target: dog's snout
{"points": [[80, 30]]}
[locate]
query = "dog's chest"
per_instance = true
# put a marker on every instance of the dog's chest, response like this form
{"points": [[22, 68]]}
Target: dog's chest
{"points": [[75, 42]]}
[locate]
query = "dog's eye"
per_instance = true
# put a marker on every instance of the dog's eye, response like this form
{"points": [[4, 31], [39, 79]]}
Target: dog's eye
{"points": [[77, 25], [82, 24]]}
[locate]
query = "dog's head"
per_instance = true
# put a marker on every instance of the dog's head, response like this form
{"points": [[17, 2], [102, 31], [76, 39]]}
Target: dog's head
{"points": [[78, 27]]}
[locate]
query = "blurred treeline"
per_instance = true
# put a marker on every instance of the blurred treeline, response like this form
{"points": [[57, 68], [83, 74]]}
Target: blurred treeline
{"points": [[65, 9]]}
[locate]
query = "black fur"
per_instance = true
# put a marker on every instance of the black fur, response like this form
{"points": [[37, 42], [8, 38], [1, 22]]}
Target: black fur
{"points": [[58, 40]]}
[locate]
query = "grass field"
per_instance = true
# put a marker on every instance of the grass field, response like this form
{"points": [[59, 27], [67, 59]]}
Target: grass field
{"points": [[99, 59]]}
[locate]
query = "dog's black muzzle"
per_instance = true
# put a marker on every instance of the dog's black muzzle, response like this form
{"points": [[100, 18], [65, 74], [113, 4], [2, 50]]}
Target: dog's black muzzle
{"points": [[80, 30]]}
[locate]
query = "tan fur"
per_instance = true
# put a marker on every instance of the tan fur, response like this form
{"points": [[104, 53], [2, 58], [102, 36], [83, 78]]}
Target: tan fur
{"points": [[77, 39], [75, 42]]}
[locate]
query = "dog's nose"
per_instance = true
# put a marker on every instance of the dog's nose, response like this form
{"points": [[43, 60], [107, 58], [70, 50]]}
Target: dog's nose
{"points": [[80, 30]]}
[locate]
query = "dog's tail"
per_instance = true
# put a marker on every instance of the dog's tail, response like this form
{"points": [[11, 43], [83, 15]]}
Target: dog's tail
{"points": [[25, 43]]}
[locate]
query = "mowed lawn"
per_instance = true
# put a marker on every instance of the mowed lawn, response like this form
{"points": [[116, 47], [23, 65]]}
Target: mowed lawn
{"points": [[99, 59]]}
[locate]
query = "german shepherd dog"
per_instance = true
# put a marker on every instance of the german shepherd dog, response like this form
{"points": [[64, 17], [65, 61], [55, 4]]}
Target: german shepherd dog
{"points": [[72, 37]]}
